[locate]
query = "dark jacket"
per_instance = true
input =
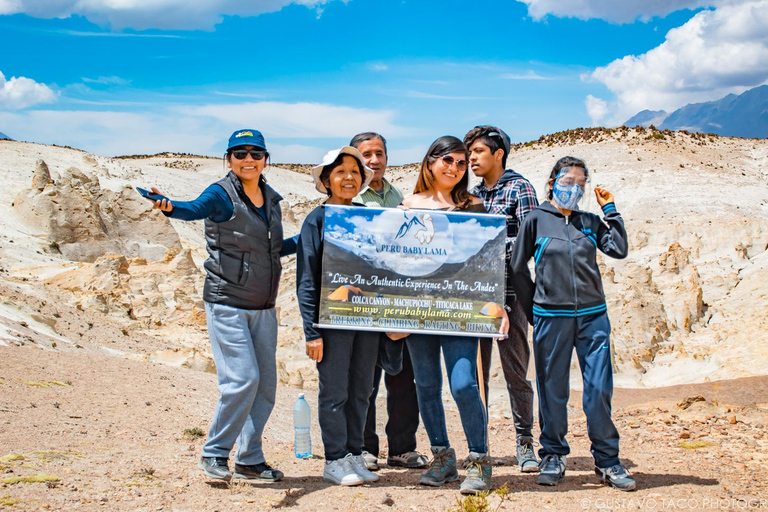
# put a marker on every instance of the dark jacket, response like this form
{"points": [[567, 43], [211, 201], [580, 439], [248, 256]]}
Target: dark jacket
{"points": [[309, 265], [243, 268], [564, 249]]}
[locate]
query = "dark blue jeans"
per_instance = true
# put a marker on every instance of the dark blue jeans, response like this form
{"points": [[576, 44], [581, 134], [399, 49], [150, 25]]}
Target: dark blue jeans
{"points": [[554, 339], [460, 355]]}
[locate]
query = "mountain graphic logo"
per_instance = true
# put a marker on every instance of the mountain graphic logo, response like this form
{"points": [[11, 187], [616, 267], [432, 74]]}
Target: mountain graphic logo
{"points": [[421, 227]]}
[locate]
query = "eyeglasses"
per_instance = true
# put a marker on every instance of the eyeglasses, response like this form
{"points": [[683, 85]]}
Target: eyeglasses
{"points": [[256, 154], [448, 160]]}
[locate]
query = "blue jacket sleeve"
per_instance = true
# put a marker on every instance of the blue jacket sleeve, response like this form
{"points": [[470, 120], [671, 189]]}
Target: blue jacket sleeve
{"points": [[518, 266], [612, 238], [289, 246], [309, 257], [213, 203]]}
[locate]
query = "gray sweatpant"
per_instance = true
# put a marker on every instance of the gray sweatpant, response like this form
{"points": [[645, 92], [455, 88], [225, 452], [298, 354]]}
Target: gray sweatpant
{"points": [[243, 343]]}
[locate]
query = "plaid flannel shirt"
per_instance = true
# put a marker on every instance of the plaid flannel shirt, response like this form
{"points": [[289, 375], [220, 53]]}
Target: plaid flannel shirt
{"points": [[515, 197]]}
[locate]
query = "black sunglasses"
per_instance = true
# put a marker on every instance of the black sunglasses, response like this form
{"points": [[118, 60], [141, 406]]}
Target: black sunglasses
{"points": [[449, 161], [502, 138], [256, 154]]}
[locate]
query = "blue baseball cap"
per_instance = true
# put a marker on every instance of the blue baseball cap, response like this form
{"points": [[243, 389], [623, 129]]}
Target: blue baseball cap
{"points": [[247, 138]]}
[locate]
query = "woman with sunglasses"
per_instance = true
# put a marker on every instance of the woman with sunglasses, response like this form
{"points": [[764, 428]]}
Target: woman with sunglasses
{"points": [[244, 238], [566, 306], [442, 185]]}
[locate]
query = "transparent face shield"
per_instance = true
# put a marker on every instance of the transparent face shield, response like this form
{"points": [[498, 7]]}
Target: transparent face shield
{"points": [[572, 190]]}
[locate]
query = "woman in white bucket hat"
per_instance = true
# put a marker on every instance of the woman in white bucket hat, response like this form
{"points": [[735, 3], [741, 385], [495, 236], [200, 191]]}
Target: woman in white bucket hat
{"points": [[345, 359]]}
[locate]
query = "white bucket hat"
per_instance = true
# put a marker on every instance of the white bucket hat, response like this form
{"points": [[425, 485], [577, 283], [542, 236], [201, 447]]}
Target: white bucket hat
{"points": [[330, 157]]}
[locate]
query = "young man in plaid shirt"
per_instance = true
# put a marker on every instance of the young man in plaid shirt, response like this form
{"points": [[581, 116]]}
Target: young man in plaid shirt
{"points": [[506, 192]]}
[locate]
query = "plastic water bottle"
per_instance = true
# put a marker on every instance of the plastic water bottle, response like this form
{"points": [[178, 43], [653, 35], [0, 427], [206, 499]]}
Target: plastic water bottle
{"points": [[302, 418]]}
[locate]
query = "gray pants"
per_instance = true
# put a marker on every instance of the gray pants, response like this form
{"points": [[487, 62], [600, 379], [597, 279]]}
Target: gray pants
{"points": [[514, 353], [346, 383], [243, 343]]}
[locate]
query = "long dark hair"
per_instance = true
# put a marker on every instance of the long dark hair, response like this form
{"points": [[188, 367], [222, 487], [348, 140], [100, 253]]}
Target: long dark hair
{"points": [[426, 181], [566, 161]]}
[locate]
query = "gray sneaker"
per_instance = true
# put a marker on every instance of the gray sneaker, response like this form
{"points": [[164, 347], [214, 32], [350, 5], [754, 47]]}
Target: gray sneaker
{"points": [[478, 477], [552, 470], [359, 465], [616, 476], [371, 461], [526, 457], [215, 467], [442, 467], [411, 460]]}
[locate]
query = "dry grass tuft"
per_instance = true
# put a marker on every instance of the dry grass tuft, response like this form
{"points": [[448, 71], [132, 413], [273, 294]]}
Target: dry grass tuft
{"points": [[32, 479]]}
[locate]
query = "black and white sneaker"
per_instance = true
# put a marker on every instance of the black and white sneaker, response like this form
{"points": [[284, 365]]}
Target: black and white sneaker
{"points": [[261, 471]]}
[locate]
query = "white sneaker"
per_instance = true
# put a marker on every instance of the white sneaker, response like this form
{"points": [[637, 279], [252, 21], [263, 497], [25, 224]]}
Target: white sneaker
{"points": [[358, 464], [341, 472]]}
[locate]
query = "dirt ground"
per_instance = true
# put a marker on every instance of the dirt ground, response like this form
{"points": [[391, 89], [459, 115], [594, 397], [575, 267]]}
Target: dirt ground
{"points": [[112, 433]]}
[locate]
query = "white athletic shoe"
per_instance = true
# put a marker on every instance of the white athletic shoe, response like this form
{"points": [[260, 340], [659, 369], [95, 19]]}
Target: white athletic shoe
{"points": [[341, 472], [358, 464]]}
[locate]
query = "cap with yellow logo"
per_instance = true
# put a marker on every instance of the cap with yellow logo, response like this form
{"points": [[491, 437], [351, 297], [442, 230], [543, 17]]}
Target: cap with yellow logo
{"points": [[247, 138]]}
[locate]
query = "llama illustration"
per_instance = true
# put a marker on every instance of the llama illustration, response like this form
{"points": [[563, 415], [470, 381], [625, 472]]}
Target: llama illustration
{"points": [[427, 233]]}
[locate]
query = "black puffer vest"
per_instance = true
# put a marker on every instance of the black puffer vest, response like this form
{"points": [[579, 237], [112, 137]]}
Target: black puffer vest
{"points": [[243, 268]]}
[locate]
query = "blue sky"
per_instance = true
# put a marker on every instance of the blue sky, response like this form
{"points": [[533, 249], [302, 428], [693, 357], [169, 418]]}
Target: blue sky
{"points": [[180, 75]]}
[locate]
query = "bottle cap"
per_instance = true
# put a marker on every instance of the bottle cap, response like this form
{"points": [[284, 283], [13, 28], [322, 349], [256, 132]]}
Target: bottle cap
{"points": [[301, 395]]}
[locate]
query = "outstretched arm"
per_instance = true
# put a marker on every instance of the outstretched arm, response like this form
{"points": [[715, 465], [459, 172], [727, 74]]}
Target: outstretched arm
{"points": [[213, 203]]}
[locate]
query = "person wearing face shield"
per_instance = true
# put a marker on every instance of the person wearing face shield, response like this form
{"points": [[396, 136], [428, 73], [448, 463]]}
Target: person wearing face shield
{"points": [[567, 309]]}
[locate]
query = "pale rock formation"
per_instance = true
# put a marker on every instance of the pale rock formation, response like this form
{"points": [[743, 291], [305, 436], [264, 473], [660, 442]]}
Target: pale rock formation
{"points": [[85, 222]]}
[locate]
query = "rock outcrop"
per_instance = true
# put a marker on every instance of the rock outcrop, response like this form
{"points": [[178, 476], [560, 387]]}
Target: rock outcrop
{"points": [[85, 222]]}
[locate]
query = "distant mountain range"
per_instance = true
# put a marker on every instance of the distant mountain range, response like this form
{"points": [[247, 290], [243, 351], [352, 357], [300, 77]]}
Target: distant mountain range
{"points": [[745, 115], [4, 136]]}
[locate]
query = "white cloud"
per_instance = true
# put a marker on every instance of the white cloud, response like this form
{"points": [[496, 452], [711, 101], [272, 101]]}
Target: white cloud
{"points": [[301, 120], [715, 53], [596, 108], [413, 154], [202, 130], [615, 11], [106, 80], [145, 14], [528, 75], [378, 66], [20, 92]]}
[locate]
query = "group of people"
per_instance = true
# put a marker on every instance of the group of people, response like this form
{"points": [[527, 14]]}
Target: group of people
{"points": [[565, 304]]}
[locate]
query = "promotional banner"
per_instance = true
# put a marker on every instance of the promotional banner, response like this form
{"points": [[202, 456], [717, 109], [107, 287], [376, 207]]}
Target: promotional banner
{"points": [[393, 270]]}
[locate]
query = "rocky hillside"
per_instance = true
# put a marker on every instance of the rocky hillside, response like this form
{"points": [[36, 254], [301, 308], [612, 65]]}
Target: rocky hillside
{"points": [[687, 305]]}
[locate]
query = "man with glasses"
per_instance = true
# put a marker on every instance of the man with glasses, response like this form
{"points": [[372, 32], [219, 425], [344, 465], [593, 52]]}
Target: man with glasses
{"points": [[506, 192], [402, 404]]}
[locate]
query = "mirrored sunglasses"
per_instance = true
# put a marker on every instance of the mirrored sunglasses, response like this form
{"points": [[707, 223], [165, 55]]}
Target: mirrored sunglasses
{"points": [[256, 154]]}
